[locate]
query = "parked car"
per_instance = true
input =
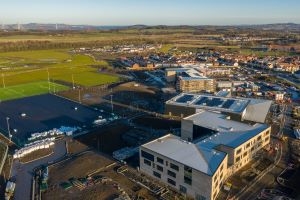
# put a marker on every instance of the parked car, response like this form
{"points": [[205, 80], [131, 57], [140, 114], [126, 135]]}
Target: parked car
{"points": [[270, 194], [286, 175], [282, 198]]}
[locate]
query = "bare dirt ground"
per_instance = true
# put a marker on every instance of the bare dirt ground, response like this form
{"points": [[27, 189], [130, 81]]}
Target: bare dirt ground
{"points": [[78, 167], [36, 155], [93, 95], [91, 163]]}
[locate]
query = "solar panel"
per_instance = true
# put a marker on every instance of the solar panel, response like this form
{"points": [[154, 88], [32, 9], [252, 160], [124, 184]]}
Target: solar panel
{"points": [[185, 98], [201, 101], [215, 102], [228, 103]]}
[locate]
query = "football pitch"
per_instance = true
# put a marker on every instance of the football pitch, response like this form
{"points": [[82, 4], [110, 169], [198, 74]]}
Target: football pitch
{"points": [[26, 73], [30, 89]]}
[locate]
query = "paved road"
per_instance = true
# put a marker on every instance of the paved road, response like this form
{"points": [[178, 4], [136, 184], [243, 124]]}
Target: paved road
{"points": [[269, 177], [23, 173]]}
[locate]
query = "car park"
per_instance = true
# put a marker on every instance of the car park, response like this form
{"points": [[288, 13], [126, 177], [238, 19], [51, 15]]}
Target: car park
{"points": [[270, 193]]}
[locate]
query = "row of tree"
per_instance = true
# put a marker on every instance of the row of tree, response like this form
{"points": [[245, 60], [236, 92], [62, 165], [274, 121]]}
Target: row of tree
{"points": [[39, 45]]}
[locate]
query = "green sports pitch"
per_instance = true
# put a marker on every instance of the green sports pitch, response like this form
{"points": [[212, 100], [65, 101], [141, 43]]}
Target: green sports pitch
{"points": [[29, 89]]}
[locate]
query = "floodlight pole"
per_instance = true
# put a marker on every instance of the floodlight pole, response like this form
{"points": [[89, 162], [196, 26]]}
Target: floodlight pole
{"points": [[8, 129], [3, 81], [48, 79], [73, 81], [112, 107], [79, 98]]}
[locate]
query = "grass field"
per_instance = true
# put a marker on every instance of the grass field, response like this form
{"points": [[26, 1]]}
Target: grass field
{"points": [[29, 89], [263, 53], [33, 66]]}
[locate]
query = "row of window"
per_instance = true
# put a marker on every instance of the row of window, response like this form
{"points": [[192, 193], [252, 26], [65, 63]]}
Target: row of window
{"points": [[187, 170], [150, 157], [266, 134], [147, 155], [220, 171]]}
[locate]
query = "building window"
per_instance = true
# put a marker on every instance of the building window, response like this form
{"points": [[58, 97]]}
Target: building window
{"points": [[182, 189], [215, 179], [238, 159], [245, 154], [172, 182], [160, 168], [238, 151], [248, 145], [215, 194], [221, 176], [252, 148], [147, 155], [170, 173], [147, 162], [221, 168], [188, 180], [216, 184], [188, 169], [200, 197], [159, 160], [266, 139], [167, 163], [156, 174], [259, 137], [173, 166]]}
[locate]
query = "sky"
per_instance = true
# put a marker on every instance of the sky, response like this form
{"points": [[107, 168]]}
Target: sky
{"points": [[150, 12]]}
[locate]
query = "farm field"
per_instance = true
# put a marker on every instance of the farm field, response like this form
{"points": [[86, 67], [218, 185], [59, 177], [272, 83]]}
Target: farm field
{"points": [[29, 89]]}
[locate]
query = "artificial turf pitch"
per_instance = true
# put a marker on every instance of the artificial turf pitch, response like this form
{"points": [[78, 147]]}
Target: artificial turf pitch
{"points": [[30, 89]]}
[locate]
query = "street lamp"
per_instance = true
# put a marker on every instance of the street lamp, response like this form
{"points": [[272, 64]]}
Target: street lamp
{"points": [[79, 95], [8, 129], [112, 107], [48, 78], [3, 81]]}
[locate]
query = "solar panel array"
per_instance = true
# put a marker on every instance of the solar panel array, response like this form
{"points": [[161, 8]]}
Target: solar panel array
{"points": [[185, 98], [228, 103], [202, 101], [235, 105], [211, 101], [216, 102]]}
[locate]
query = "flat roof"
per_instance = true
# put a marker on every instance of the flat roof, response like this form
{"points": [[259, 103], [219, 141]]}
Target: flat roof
{"points": [[217, 121], [210, 102], [256, 110], [222, 93], [178, 69], [189, 78], [187, 153]]}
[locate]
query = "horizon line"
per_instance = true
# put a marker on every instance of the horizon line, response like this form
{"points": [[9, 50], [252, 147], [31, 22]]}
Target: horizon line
{"points": [[236, 24]]}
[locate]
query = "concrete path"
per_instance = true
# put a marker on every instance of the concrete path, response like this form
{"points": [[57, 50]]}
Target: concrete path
{"points": [[23, 173]]}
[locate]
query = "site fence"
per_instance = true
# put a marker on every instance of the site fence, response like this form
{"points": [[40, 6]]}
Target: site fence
{"points": [[4, 156]]}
